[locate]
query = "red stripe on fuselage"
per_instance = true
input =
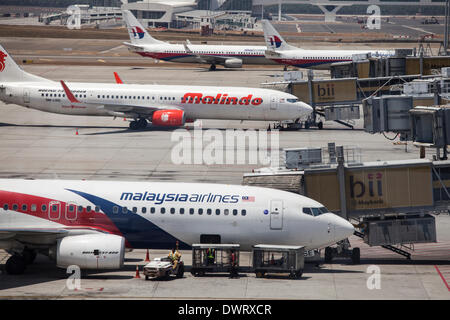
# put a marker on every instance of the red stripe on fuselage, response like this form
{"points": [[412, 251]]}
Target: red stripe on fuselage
{"points": [[84, 219]]}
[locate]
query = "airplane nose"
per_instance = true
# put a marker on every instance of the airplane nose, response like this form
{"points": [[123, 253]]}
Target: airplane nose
{"points": [[342, 229], [305, 109]]}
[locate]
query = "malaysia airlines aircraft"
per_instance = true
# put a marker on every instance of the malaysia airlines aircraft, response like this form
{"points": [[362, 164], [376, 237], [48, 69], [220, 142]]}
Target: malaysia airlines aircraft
{"points": [[163, 105], [281, 52], [229, 56], [90, 223]]}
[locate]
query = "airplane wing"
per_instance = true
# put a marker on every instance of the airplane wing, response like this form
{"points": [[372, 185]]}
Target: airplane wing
{"points": [[30, 231], [120, 108], [140, 110], [133, 46], [205, 58]]}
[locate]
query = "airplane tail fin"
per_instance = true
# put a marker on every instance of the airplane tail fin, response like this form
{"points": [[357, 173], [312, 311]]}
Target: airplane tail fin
{"points": [[138, 34], [11, 72], [274, 40]]}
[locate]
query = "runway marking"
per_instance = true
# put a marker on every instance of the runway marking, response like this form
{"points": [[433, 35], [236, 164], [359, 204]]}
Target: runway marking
{"points": [[442, 277], [417, 29]]}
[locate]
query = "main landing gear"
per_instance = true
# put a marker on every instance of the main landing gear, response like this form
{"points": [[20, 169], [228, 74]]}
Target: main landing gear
{"points": [[212, 67], [138, 124], [17, 263]]}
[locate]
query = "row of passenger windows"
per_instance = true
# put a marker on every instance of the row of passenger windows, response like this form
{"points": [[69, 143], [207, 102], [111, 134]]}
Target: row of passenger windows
{"points": [[133, 97], [116, 209], [216, 52], [59, 95], [315, 211], [62, 95], [326, 58]]}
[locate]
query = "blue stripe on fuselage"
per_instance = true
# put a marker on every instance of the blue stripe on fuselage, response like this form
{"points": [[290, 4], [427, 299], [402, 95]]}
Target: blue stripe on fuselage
{"points": [[139, 232]]}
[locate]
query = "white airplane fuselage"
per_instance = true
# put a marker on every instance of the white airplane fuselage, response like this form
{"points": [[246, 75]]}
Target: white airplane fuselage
{"points": [[157, 214], [230, 103], [319, 59], [178, 53]]}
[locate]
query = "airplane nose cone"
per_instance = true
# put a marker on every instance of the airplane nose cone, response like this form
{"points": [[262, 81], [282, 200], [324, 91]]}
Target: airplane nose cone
{"points": [[343, 229], [305, 109]]}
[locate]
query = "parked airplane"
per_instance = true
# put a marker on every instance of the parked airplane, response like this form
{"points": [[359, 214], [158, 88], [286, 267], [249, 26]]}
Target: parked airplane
{"points": [[281, 52], [163, 105], [229, 56], [90, 223]]}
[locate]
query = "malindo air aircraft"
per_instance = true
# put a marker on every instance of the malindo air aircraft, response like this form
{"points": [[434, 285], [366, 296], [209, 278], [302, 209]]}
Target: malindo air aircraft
{"points": [[278, 50], [229, 56], [91, 223], [162, 105]]}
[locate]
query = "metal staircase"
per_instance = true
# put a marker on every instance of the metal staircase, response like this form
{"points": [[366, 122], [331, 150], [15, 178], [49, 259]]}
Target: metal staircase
{"points": [[389, 247]]}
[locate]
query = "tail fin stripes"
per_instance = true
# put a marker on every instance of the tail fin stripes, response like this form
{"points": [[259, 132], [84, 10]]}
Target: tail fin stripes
{"points": [[11, 72], [138, 34], [273, 39]]}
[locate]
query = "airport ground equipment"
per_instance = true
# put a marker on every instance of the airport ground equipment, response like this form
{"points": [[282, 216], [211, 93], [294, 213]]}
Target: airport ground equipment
{"points": [[213, 258], [163, 268], [416, 115], [389, 202], [339, 99], [278, 259], [342, 249]]}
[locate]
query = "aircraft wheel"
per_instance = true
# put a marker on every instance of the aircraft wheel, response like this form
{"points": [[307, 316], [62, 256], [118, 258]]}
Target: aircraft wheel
{"points": [[212, 67], [142, 123], [15, 265], [320, 125], [328, 254], [134, 125]]}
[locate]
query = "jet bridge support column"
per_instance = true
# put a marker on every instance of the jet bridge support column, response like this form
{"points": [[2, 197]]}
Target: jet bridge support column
{"points": [[341, 181]]}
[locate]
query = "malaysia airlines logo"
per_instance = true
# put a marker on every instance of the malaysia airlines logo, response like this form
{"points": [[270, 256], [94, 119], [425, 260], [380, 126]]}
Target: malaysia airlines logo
{"points": [[138, 33], [2, 60], [275, 41]]}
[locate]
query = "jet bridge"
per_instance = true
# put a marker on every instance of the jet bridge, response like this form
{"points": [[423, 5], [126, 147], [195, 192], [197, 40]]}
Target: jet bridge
{"points": [[389, 202]]}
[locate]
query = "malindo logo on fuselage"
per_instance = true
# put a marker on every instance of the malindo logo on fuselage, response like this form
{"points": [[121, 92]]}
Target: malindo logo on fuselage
{"points": [[137, 32], [220, 98], [2, 60], [159, 198]]}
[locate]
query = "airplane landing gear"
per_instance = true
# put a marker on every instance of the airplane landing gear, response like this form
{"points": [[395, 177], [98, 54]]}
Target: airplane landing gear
{"points": [[138, 124], [212, 67]]}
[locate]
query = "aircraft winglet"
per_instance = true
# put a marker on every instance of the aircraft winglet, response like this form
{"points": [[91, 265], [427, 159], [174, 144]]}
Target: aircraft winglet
{"points": [[118, 80], [69, 93]]}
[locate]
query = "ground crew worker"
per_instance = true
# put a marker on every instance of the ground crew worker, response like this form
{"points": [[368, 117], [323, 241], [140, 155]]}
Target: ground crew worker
{"points": [[210, 256], [174, 257]]}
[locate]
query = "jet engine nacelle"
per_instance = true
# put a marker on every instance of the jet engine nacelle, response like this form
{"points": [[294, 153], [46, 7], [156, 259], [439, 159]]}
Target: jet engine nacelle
{"points": [[233, 63], [91, 251], [171, 118]]}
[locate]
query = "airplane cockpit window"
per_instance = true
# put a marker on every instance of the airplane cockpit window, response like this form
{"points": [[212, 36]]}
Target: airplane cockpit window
{"points": [[315, 211], [292, 100]]}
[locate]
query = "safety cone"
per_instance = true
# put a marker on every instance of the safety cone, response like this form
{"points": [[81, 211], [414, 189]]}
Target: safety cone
{"points": [[137, 276], [76, 131], [147, 257]]}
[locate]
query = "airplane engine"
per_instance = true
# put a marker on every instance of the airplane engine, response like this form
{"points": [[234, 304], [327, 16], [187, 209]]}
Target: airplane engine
{"points": [[91, 251], [171, 118], [233, 63]]}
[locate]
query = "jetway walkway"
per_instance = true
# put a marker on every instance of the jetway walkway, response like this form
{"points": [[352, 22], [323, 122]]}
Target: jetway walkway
{"points": [[390, 202]]}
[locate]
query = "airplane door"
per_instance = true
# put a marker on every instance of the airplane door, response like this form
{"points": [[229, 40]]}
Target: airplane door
{"points": [[71, 212], [273, 103], [54, 210], [26, 96], [276, 214]]}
